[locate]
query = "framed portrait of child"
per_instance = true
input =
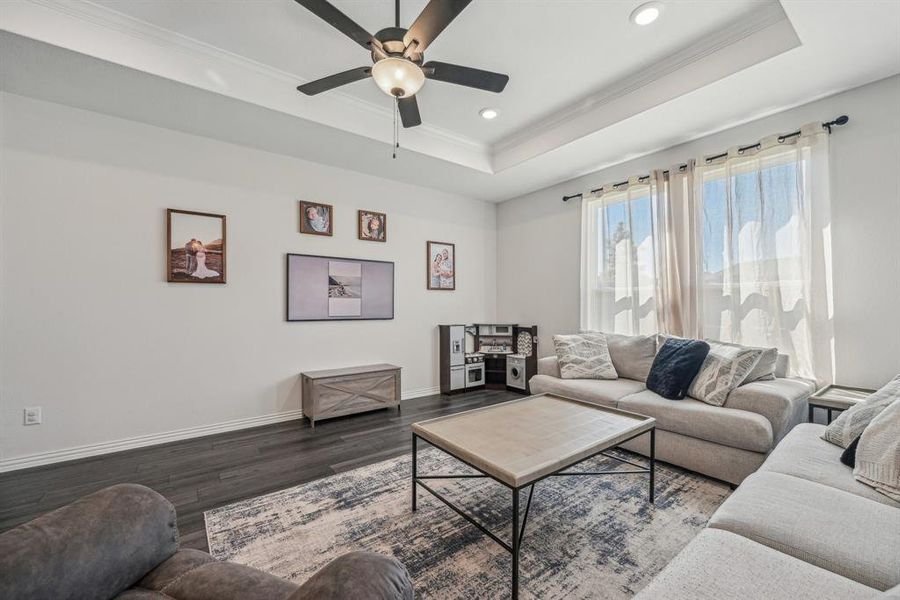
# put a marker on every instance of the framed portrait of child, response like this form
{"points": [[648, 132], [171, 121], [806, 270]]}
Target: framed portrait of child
{"points": [[316, 218], [371, 226]]}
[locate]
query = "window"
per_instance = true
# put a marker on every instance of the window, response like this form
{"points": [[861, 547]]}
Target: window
{"points": [[619, 274], [754, 276], [737, 250]]}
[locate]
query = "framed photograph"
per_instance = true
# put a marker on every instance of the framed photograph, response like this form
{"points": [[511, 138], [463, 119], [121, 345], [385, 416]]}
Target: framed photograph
{"points": [[371, 226], [316, 218], [441, 266], [195, 247], [331, 288]]}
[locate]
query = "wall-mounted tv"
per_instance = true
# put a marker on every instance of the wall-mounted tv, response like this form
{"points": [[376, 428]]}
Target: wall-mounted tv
{"points": [[331, 288]]}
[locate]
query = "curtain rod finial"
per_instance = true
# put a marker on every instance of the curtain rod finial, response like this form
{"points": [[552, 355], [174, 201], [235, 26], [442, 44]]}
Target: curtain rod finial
{"points": [[841, 120]]}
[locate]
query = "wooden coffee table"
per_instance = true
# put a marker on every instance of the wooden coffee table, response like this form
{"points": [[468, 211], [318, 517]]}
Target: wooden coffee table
{"points": [[521, 442]]}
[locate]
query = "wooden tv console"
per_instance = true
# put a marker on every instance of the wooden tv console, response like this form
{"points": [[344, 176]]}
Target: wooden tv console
{"points": [[337, 392]]}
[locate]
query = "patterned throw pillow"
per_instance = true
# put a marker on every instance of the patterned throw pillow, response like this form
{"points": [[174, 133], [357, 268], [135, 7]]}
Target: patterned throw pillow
{"points": [[764, 369], [850, 424], [584, 356], [726, 367]]}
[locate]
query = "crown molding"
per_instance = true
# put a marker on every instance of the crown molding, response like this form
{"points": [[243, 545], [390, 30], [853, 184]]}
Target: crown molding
{"points": [[692, 56], [426, 138]]}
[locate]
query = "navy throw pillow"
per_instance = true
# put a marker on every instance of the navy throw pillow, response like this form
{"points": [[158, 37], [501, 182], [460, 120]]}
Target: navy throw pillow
{"points": [[675, 366], [848, 456]]}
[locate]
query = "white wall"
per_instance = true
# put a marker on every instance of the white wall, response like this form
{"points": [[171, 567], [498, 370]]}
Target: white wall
{"points": [[92, 332], [538, 235]]}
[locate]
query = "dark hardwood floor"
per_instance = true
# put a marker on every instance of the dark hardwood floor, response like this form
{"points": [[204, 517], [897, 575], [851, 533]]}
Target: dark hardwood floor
{"points": [[203, 473]]}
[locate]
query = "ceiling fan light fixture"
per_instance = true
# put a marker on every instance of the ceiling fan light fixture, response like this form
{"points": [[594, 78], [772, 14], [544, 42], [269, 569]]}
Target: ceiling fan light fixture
{"points": [[646, 13], [398, 77]]}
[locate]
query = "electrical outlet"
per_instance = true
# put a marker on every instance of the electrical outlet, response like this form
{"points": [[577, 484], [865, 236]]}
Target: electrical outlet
{"points": [[33, 415]]}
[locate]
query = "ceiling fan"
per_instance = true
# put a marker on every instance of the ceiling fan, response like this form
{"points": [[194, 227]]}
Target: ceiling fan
{"points": [[398, 55]]}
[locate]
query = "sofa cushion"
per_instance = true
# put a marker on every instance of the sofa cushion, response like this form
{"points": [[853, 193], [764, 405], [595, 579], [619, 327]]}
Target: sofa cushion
{"points": [[718, 565], [765, 368], [850, 423], [804, 454], [228, 581], [141, 594], [183, 561], [584, 356], [726, 367], [675, 366], [96, 547], [605, 392], [549, 365], [781, 401], [362, 575], [632, 355], [841, 532], [724, 463], [737, 428]]}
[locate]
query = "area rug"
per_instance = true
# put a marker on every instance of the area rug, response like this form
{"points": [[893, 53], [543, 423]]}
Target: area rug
{"points": [[586, 537]]}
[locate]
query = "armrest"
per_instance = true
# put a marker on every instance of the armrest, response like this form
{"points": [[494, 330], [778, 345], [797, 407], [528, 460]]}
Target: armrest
{"points": [[93, 548], [782, 401], [358, 575], [548, 365]]}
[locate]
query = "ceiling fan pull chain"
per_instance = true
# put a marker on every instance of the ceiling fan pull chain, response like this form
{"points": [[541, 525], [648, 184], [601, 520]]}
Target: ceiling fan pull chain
{"points": [[396, 130]]}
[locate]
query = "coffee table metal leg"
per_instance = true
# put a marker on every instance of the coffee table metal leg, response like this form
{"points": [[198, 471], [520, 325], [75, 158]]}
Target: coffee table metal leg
{"points": [[414, 438], [652, 462], [515, 544]]}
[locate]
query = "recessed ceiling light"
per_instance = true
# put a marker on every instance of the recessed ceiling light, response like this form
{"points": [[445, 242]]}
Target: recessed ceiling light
{"points": [[646, 13], [488, 113]]}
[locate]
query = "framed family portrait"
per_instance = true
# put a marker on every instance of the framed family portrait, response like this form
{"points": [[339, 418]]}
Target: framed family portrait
{"points": [[441, 265], [195, 247], [316, 218], [371, 226]]}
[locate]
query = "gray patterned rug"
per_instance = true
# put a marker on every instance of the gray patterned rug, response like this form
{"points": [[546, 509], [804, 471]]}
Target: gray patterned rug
{"points": [[587, 537]]}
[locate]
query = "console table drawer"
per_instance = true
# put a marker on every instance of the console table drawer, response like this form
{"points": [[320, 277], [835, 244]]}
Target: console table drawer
{"points": [[338, 392]]}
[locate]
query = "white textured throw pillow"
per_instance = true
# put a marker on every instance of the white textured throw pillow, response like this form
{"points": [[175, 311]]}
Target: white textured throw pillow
{"points": [[726, 367], [584, 356], [764, 369], [851, 423], [878, 452]]}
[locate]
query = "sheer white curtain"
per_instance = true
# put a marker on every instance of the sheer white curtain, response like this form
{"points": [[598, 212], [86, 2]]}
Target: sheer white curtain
{"points": [[737, 250], [763, 224], [633, 259], [618, 270]]}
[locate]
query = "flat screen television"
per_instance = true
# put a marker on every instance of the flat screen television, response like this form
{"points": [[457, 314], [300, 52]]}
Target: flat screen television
{"points": [[332, 288]]}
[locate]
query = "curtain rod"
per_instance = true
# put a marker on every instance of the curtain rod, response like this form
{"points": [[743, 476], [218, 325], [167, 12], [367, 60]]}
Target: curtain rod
{"points": [[841, 120]]}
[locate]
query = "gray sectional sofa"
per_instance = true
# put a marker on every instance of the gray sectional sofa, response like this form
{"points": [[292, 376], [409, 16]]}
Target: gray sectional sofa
{"points": [[800, 527], [122, 543], [725, 442]]}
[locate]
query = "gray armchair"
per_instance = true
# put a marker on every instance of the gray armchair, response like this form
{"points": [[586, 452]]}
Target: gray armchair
{"points": [[122, 543]]}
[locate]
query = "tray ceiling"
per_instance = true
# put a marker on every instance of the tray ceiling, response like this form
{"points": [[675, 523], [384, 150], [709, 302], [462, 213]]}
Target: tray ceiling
{"points": [[585, 83]]}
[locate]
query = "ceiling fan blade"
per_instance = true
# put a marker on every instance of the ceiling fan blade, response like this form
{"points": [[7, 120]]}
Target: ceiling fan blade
{"points": [[409, 111], [433, 19], [332, 81], [476, 78], [331, 15]]}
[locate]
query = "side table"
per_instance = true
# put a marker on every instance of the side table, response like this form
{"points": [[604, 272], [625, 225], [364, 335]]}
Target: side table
{"points": [[836, 398]]}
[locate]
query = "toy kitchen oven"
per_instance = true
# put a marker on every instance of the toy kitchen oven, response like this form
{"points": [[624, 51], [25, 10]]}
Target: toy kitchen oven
{"points": [[492, 356]]}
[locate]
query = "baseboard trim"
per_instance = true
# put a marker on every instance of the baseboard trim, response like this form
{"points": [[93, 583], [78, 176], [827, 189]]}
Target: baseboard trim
{"points": [[420, 392], [141, 441], [153, 439]]}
